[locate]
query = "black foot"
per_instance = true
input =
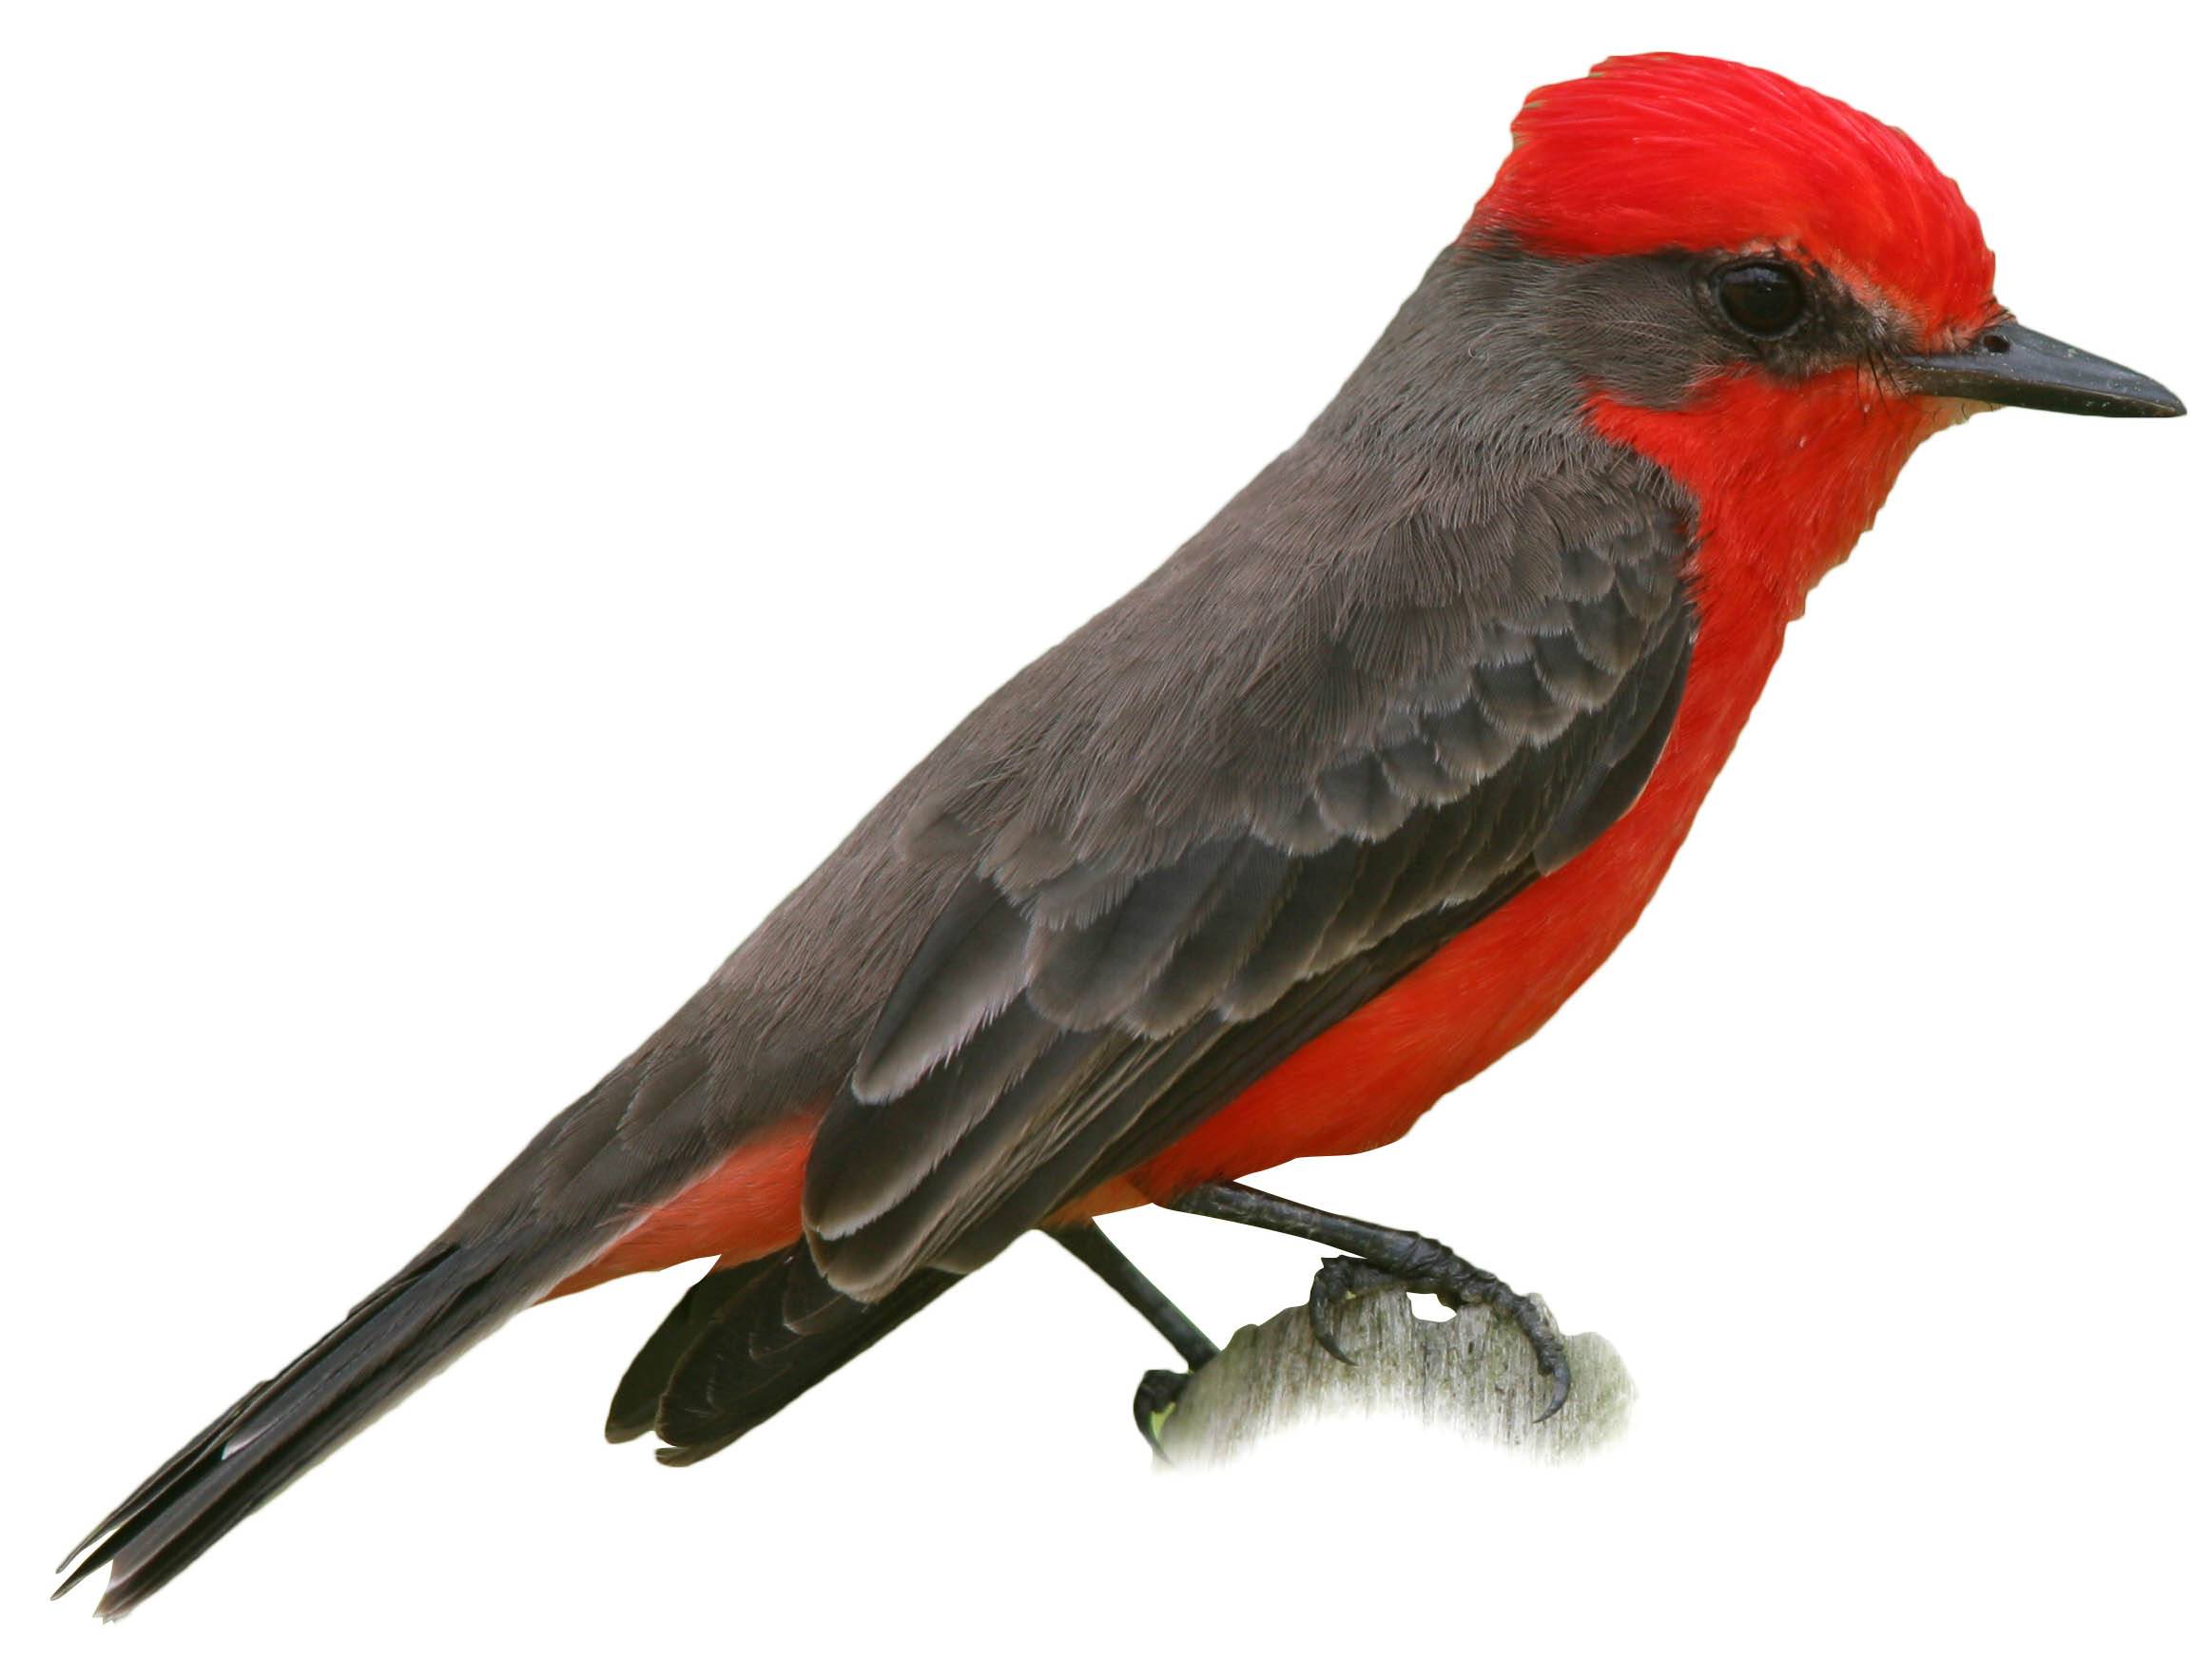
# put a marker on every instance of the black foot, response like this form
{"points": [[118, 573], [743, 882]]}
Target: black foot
{"points": [[1156, 1398], [1432, 1270], [1379, 1256]]}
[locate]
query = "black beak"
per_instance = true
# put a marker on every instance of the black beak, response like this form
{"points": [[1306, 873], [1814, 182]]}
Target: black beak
{"points": [[2012, 364]]}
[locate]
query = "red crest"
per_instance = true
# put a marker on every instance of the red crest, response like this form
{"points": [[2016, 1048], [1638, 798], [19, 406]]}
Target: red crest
{"points": [[1666, 151]]}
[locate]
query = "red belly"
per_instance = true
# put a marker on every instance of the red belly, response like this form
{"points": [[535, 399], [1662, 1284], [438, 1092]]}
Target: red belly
{"points": [[1362, 1083]]}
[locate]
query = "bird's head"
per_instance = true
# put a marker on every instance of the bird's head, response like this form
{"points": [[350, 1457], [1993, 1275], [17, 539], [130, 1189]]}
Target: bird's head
{"points": [[1768, 292]]}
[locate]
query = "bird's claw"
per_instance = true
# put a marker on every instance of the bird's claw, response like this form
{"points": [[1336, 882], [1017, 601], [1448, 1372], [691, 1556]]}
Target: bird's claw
{"points": [[1340, 1281], [1534, 1320], [1456, 1283]]}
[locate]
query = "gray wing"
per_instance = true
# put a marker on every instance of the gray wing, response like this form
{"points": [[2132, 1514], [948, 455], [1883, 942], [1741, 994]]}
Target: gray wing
{"points": [[1164, 896]]}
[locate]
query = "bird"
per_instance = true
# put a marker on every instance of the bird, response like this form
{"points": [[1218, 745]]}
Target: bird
{"points": [[1323, 817]]}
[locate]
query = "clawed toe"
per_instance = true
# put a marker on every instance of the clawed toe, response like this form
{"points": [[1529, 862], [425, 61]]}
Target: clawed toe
{"points": [[1340, 1281], [1378, 1255], [1456, 1283], [1532, 1318]]}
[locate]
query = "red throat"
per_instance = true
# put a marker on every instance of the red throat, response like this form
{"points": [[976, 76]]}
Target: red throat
{"points": [[1786, 478]]}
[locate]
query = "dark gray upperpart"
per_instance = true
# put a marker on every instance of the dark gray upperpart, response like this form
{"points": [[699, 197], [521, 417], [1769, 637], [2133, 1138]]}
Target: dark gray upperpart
{"points": [[1431, 651], [1447, 516]]}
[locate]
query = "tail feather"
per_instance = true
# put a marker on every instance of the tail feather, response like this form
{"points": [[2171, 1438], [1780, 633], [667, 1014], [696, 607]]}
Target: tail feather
{"points": [[440, 1304], [746, 1341]]}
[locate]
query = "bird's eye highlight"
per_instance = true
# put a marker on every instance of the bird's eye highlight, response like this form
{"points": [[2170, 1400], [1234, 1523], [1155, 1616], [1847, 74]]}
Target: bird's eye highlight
{"points": [[1764, 297]]}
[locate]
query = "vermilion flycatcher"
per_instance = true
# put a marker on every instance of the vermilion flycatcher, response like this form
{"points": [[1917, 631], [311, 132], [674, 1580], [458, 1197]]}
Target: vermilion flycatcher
{"points": [[1332, 810]]}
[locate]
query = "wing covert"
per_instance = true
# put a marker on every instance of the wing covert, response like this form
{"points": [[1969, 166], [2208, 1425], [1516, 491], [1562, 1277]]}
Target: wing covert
{"points": [[1135, 940]]}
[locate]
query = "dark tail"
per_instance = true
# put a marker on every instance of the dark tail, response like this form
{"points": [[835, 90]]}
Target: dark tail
{"points": [[447, 1298], [744, 1343]]}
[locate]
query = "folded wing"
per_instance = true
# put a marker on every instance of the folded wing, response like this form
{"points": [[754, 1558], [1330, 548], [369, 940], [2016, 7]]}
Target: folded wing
{"points": [[1162, 905]]}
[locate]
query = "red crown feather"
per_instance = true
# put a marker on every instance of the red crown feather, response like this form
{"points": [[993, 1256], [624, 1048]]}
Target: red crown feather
{"points": [[1666, 151]]}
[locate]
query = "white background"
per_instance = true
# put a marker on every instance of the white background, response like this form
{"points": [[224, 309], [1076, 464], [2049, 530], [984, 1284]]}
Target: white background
{"points": [[492, 493]]}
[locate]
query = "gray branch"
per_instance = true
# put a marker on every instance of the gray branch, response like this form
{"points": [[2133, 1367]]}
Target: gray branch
{"points": [[1468, 1373]]}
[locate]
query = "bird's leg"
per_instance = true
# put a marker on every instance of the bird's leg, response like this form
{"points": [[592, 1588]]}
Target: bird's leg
{"points": [[1097, 1253], [1380, 1256], [1156, 1393]]}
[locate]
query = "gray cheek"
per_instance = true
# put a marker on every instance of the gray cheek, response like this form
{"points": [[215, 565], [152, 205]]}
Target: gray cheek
{"points": [[1635, 328]]}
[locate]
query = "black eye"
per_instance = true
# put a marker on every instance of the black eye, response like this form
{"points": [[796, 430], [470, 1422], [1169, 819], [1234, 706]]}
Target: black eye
{"points": [[1762, 297]]}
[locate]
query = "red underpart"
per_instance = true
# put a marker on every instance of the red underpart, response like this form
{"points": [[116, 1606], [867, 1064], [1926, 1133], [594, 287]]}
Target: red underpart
{"points": [[745, 1208], [1779, 513], [1788, 477]]}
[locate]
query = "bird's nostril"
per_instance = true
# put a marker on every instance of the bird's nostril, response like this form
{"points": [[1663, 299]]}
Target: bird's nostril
{"points": [[1995, 342]]}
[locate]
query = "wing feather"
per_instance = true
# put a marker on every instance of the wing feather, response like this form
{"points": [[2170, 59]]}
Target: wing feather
{"points": [[1112, 970]]}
